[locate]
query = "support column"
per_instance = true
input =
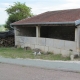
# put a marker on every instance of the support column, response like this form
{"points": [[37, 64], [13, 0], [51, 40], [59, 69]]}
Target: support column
{"points": [[16, 31], [77, 38], [15, 34], [37, 33]]}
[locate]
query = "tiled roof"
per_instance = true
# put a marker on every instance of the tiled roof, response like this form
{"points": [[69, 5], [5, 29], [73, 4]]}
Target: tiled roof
{"points": [[52, 16]]}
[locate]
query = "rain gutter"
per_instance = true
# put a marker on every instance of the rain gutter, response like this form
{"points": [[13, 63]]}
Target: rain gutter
{"points": [[44, 23]]}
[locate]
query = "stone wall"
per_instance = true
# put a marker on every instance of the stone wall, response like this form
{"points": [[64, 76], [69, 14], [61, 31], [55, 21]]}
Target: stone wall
{"points": [[47, 45]]}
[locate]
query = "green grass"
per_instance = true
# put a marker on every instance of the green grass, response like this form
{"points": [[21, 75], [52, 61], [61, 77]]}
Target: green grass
{"points": [[21, 53], [52, 57], [15, 53]]}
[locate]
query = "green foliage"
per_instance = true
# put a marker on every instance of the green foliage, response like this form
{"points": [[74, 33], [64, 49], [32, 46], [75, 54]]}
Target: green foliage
{"points": [[17, 12]]}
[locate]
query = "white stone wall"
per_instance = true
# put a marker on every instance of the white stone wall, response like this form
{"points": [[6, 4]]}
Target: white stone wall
{"points": [[46, 44]]}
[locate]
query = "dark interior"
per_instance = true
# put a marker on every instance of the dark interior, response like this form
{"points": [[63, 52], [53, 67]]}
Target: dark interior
{"points": [[58, 32]]}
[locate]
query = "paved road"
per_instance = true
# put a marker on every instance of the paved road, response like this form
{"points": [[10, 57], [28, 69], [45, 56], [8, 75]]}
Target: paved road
{"points": [[59, 65], [18, 72]]}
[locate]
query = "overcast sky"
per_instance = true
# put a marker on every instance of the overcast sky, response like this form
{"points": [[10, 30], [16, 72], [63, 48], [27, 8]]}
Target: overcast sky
{"points": [[38, 6]]}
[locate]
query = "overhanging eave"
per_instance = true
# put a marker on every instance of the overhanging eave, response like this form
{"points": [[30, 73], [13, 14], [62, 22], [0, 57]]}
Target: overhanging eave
{"points": [[47, 23]]}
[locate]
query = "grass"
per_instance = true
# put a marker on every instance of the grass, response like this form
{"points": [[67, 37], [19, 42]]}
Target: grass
{"points": [[21, 53], [15, 53]]}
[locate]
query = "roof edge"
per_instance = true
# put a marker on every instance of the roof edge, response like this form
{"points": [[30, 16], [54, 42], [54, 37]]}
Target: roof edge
{"points": [[43, 23]]}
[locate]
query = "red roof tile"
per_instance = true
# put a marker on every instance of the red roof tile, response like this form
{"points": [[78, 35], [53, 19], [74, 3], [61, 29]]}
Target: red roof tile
{"points": [[53, 16]]}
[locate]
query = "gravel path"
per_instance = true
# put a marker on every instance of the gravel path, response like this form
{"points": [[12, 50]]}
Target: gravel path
{"points": [[18, 72]]}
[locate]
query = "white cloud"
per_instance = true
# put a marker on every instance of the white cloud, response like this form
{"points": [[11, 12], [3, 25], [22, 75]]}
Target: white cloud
{"points": [[5, 4], [73, 1], [3, 14], [71, 4], [41, 6], [67, 6]]}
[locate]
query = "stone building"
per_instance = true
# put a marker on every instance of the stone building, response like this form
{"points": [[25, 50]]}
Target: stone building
{"points": [[52, 31]]}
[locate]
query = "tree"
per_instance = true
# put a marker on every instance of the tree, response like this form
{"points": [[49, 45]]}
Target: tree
{"points": [[17, 12]]}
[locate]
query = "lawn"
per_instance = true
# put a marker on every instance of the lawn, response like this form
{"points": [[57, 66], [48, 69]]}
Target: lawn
{"points": [[22, 53]]}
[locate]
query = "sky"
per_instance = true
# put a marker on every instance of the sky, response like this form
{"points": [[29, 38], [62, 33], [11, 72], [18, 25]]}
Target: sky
{"points": [[38, 6]]}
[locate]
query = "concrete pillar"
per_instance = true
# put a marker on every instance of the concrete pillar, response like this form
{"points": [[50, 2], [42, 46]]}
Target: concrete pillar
{"points": [[77, 38], [16, 33], [37, 33]]}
